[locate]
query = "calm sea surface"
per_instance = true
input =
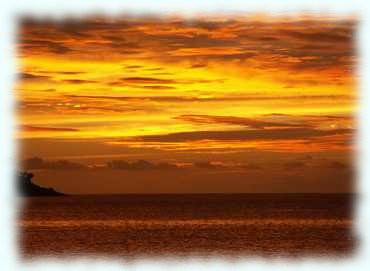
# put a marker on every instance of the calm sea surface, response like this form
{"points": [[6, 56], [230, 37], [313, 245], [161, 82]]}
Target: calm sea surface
{"points": [[133, 226]]}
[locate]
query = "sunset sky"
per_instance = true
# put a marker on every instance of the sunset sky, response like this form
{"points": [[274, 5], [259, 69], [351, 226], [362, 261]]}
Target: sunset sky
{"points": [[211, 104]]}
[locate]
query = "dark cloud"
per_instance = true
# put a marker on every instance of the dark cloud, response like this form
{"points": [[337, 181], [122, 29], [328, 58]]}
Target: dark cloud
{"points": [[273, 134], [147, 80], [39, 163], [158, 87], [31, 76], [252, 123], [58, 48], [198, 65], [30, 128], [313, 117], [133, 67], [329, 117], [78, 81], [63, 72], [333, 36], [225, 57], [129, 47], [328, 41], [70, 72], [314, 120], [140, 165], [154, 69], [91, 25], [44, 45]]}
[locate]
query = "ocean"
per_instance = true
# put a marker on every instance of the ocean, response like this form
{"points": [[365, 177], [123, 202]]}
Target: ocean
{"points": [[196, 225]]}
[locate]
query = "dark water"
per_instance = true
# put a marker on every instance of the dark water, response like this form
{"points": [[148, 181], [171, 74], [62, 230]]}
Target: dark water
{"points": [[134, 226]]}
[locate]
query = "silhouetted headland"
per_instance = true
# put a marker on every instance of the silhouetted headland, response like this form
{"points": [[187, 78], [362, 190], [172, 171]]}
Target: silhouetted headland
{"points": [[28, 189]]}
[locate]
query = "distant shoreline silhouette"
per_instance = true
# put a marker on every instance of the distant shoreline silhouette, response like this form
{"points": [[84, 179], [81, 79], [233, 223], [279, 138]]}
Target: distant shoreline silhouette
{"points": [[27, 188]]}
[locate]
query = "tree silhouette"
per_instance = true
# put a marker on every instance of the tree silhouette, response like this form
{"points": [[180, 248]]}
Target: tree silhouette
{"points": [[26, 187]]}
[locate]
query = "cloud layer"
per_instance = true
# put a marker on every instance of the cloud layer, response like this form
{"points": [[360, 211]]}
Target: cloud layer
{"points": [[169, 99]]}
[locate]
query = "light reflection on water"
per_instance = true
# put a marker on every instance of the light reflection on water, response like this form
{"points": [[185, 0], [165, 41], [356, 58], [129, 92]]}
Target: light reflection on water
{"points": [[185, 225]]}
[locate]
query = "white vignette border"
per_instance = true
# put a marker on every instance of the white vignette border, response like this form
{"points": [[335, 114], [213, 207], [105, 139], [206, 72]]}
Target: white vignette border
{"points": [[59, 9]]}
